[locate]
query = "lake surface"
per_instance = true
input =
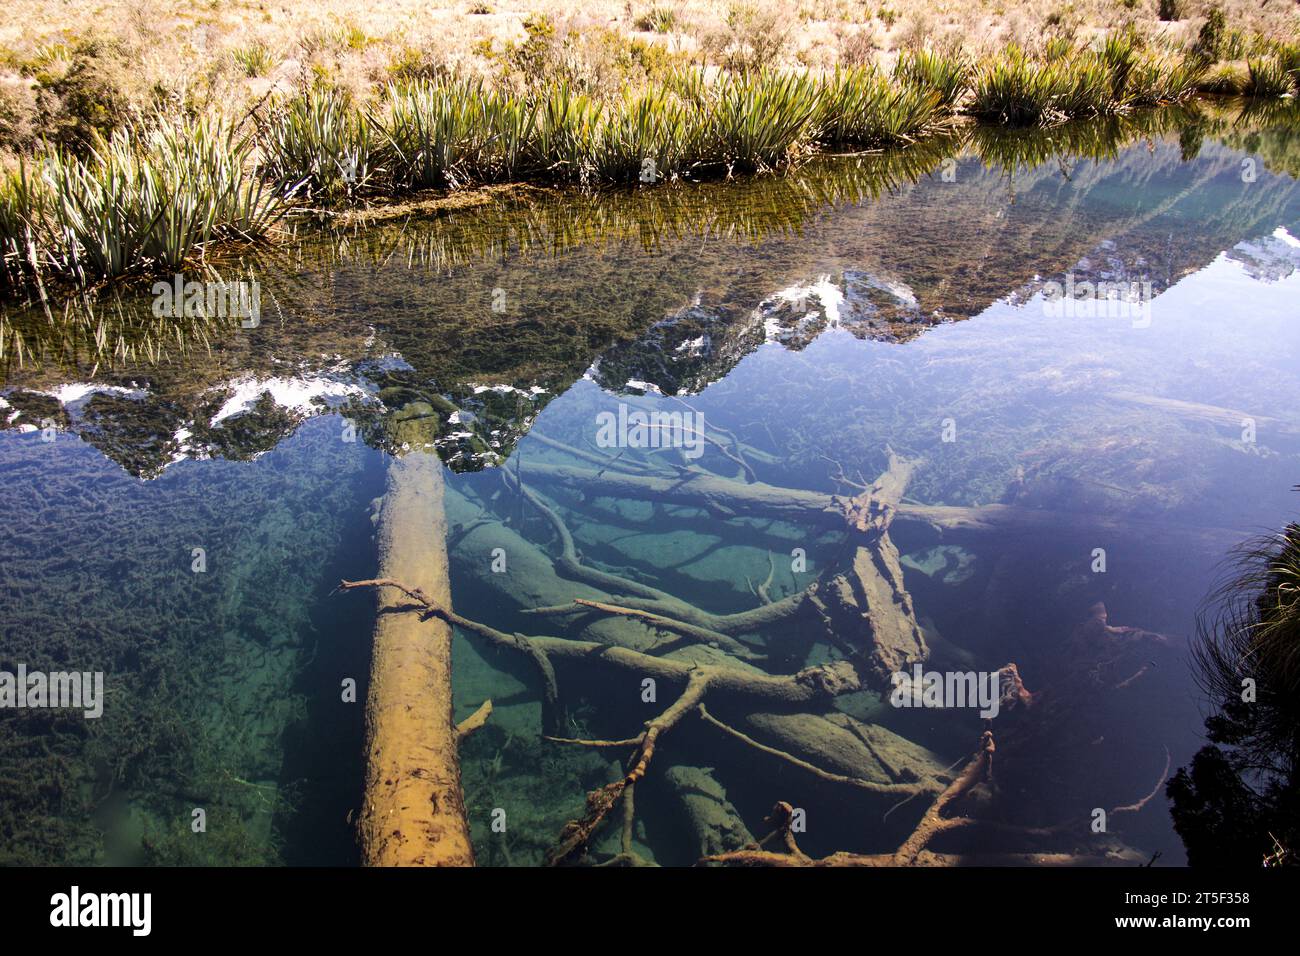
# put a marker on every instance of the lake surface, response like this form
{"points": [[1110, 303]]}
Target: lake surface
{"points": [[181, 496]]}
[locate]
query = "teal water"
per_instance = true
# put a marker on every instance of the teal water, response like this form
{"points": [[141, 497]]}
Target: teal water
{"points": [[816, 322]]}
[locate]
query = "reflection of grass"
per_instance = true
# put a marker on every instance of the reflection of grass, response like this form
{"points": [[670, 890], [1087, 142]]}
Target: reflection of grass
{"points": [[532, 221]]}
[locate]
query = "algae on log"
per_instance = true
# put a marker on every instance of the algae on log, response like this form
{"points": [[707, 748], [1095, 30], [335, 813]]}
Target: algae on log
{"points": [[413, 812]]}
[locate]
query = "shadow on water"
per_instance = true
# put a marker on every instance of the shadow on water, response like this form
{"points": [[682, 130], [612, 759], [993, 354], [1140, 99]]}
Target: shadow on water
{"points": [[813, 319]]}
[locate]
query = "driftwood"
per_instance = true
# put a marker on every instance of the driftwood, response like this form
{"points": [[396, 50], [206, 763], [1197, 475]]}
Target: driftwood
{"points": [[642, 597], [804, 688], [869, 598], [938, 819]]}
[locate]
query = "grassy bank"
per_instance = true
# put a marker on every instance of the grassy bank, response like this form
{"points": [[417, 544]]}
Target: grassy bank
{"points": [[157, 195]]}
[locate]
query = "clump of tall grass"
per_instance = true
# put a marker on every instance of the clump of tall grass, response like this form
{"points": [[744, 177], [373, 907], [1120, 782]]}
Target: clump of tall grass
{"points": [[449, 132], [256, 59], [657, 19], [1164, 78], [863, 107], [757, 121], [1017, 89], [1267, 77], [145, 199], [566, 128], [647, 137], [945, 74], [317, 145]]}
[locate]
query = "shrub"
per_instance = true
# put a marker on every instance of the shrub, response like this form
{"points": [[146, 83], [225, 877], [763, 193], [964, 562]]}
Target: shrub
{"points": [[80, 92], [657, 20], [256, 59], [753, 37], [1210, 38]]}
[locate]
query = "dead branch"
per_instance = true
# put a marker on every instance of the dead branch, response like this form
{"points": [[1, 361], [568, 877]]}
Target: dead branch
{"points": [[802, 507], [577, 834], [474, 721], [931, 824], [890, 789], [699, 635]]}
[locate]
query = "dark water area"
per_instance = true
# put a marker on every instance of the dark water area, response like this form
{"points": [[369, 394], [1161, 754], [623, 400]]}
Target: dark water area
{"points": [[1077, 473]]}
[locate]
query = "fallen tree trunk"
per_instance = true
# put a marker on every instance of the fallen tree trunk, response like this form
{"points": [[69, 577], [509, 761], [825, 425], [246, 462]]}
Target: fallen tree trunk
{"points": [[1210, 414], [724, 497], [413, 813]]}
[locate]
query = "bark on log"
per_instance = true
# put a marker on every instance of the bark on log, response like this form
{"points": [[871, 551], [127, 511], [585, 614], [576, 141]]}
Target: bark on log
{"points": [[413, 813]]}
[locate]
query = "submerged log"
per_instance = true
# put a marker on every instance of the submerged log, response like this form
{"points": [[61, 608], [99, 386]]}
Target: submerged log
{"points": [[1210, 414], [802, 507], [869, 597], [413, 813]]}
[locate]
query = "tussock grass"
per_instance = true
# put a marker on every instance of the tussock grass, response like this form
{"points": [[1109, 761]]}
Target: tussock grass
{"points": [[317, 145], [946, 74], [1017, 89], [1267, 77], [143, 200], [863, 107]]}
